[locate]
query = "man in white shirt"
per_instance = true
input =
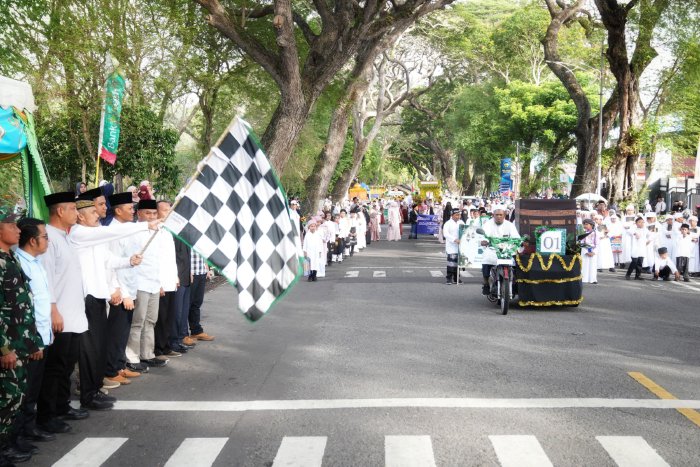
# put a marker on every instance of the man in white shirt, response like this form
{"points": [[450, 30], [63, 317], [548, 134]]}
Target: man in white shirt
{"points": [[451, 232], [100, 286], [497, 227], [141, 344], [169, 284], [119, 318]]}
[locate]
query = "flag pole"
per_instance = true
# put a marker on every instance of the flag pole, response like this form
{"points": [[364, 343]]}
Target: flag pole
{"points": [[194, 176], [108, 64]]}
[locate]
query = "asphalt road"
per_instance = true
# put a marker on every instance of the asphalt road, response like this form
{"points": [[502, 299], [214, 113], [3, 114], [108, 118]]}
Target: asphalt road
{"points": [[381, 363]]}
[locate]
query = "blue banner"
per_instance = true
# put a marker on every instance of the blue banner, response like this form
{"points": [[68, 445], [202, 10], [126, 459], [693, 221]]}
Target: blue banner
{"points": [[506, 180], [428, 225]]}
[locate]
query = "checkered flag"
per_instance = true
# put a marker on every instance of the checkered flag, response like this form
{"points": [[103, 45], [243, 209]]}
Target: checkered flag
{"points": [[234, 213]]}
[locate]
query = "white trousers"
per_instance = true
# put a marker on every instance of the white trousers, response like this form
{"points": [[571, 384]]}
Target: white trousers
{"points": [[589, 270]]}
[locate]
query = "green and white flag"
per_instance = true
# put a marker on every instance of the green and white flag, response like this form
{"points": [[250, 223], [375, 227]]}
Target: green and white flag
{"points": [[115, 87]]}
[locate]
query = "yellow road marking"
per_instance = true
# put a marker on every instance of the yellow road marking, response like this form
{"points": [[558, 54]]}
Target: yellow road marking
{"points": [[662, 393]]}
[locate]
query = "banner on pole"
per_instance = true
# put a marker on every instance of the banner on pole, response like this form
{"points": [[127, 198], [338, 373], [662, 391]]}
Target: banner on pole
{"points": [[115, 87], [506, 179]]}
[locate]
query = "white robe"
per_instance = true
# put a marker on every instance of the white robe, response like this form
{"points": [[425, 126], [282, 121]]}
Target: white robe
{"points": [[313, 249], [604, 254], [394, 221]]}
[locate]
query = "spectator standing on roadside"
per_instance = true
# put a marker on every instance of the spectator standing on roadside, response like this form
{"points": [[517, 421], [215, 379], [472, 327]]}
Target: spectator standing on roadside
{"points": [[200, 274]]}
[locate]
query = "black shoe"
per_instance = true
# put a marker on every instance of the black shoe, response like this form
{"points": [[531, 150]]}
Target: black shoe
{"points": [[314, 278], [667, 279], [628, 277], [640, 278], [97, 405], [685, 279], [37, 434], [180, 348], [55, 426], [74, 414], [459, 281], [104, 398], [154, 362], [13, 454], [22, 445], [611, 269], [485, 290], [449, 282], [139, 367]]}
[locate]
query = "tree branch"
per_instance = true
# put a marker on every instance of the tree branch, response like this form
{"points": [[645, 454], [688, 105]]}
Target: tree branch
{"points": [[220, 19], [309, 34]]}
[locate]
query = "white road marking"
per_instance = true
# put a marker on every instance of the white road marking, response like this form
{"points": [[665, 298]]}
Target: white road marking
{"points": [[465, 274], [300, 451], [687, 286], [196, 452], [631, 451], [349, 274], [90, 452], [408, 271], [397, 267], [436, 273], [447, 403], [408, 451], [379, 274], [519, 451]]}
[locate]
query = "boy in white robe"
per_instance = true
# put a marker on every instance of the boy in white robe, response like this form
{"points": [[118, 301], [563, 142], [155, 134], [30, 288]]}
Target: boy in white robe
{"points": [[313, 250]]}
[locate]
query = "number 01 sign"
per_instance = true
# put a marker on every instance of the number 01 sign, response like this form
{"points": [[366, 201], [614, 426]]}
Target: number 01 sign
{"points": [[552, 241]]}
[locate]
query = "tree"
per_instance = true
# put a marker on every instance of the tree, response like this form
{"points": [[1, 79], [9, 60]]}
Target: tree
{"points": [[330, 36], [587, 126]]}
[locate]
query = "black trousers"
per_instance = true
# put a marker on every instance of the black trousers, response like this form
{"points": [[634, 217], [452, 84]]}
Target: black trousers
{"points": [[60, 357], [665, 272], [636, 266], [26, 418], [165, 323], [682, 266], [330, 247], [118, 327], [199, 282], [93, 349]]}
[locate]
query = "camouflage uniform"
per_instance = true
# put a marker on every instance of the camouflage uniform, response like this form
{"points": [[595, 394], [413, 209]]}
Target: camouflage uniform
{"points": [[17, 333]]}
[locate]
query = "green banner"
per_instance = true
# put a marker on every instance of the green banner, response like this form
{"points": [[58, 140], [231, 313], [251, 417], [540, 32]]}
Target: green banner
{"points": [[111, 112]]}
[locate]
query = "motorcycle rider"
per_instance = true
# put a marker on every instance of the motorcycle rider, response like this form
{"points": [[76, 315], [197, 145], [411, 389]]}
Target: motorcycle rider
{"points": [[496, 227]]}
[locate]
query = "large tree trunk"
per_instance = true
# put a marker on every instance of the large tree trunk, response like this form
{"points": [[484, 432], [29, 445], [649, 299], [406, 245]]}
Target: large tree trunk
{"points": [[344, 26], [320, 179], [586, 131], [627, 74]]}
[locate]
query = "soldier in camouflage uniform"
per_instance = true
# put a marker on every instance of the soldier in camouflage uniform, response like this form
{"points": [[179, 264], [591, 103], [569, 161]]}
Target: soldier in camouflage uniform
{"points": [[19, 339]]}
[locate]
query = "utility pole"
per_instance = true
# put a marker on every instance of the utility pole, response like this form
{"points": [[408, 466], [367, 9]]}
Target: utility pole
{"points": [[600, 118]]}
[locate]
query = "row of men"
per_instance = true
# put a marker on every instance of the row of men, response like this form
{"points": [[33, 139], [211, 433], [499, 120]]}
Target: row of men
{"points": [[114, 299]]}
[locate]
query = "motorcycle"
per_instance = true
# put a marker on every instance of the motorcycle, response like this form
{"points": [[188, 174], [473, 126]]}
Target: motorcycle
{"points": [[502, 278]]}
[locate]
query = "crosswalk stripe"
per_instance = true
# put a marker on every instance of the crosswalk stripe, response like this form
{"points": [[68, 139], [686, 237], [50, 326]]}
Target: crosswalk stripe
{"points": [[349, 274], [379, 274], [90, 452], [300, 451], [519, 451], [465, 274], [408, 451], [631, 451], [436, 273], [196, 452]]}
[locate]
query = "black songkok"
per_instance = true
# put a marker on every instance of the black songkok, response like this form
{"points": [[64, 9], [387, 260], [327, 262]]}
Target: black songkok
{"points": [[118, 199], [59, 198], [148, 204]]}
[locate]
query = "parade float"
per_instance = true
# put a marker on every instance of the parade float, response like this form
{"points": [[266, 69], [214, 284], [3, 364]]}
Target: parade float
{"points": [[551, 274]]}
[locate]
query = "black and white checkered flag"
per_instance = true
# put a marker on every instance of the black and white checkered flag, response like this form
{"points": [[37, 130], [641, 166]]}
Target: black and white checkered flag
{"points": [[235, 214]]}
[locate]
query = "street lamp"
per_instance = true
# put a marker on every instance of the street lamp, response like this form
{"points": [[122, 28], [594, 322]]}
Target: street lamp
{"points": [[601, 78]]}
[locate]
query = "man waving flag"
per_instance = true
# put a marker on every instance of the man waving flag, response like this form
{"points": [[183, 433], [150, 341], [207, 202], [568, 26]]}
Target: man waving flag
{"points": [[234, 213]]}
